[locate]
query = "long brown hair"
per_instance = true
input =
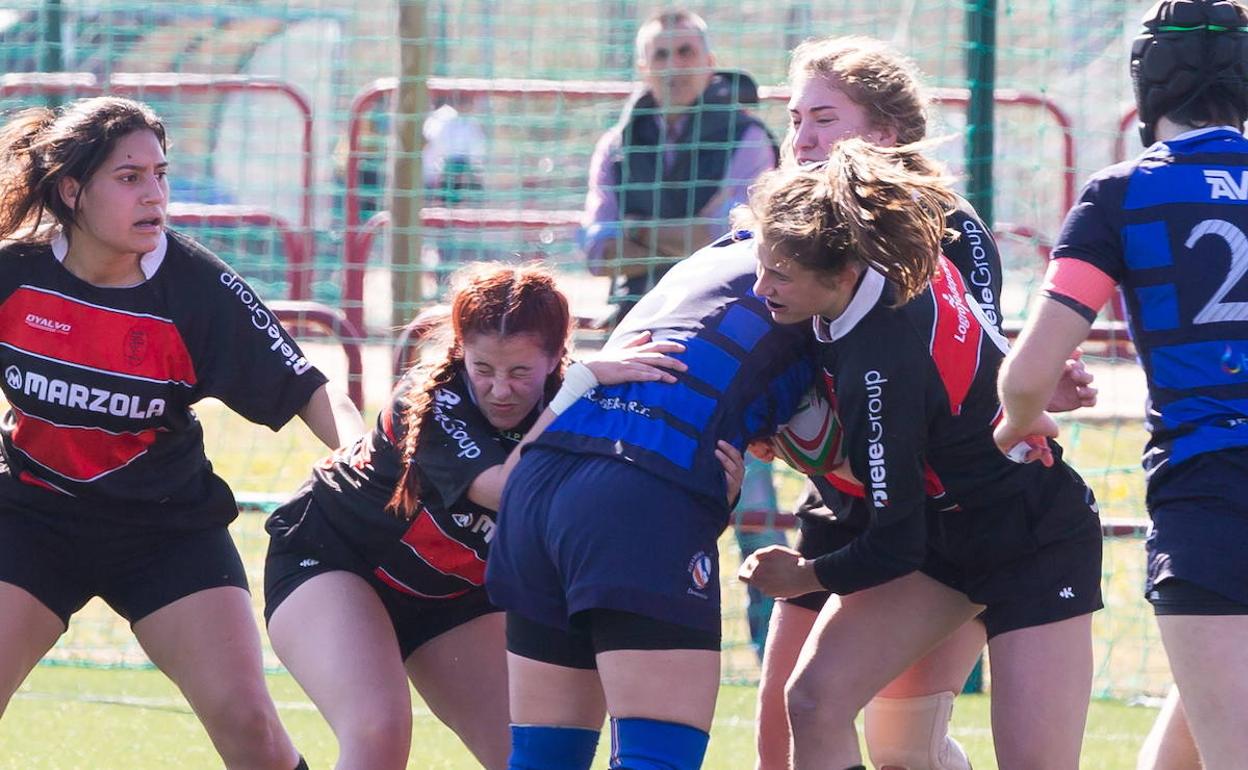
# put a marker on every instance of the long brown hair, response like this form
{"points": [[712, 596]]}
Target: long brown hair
{"points": [[487, 298], [864, 206], [39, 147], [877, 78]]}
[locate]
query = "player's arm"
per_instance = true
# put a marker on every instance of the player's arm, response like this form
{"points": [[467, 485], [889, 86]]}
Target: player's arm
{"points": [[1081, 277], [332, 417], [640, 361], [884, 406]]}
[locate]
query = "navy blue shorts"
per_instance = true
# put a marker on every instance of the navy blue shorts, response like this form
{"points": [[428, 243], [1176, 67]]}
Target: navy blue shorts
{"points": [[583, 532], [1200, 524]]}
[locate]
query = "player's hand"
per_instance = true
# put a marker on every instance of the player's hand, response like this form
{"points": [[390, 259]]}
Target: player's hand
{"points": [[1035, 438], [640, 360], [1075, 389], [779, 572], [733, 463], [762, 449]]}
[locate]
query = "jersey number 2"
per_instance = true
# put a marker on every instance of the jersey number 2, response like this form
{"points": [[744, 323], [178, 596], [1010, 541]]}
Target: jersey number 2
{"points": [[1215, 310]]}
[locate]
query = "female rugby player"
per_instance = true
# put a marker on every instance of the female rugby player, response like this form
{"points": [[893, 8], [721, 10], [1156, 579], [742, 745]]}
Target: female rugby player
{"points": [[375, 566], [841, 88], [605, 557], [111, 327], [954, 529], [1170, 227]]}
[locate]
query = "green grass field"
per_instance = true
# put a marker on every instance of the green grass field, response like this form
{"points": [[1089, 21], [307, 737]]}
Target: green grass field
{"points": [[68, 718]]}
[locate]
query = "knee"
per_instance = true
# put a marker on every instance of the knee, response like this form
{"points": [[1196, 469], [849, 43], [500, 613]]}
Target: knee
{"points": [[380, 742], [807, 703], [249, 733]]}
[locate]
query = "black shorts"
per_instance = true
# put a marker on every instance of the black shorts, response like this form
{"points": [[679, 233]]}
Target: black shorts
{"points": [[816, 535], [1200, 524], [593, 631], [1174, 596], [1032, 559], [416, 621], [134, 569]]}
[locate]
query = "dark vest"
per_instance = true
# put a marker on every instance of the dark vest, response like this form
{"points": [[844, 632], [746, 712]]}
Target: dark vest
{"points": [[652, 188]]}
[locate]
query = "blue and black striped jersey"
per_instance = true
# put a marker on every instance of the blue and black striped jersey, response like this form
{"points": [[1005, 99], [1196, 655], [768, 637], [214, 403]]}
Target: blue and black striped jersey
{"points": [[746, 375], [1171, 228]]}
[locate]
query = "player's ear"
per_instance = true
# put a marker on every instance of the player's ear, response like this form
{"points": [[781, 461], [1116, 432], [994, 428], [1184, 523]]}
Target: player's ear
{"points": [[69, 189]]}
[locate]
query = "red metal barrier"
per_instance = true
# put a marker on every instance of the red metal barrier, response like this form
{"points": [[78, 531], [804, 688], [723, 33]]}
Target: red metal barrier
{"points": [[49, 84], [1127, 121], [139, 84], [298, 262], [359, 236], [303, 316]]}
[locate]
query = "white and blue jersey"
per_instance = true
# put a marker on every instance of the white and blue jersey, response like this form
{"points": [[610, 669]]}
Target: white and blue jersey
{"points": [[1171, 229], [745, 378]]}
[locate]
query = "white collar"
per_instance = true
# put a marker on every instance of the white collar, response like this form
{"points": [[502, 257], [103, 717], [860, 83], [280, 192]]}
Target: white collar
{"points": [[866, 295], [149, 263]]}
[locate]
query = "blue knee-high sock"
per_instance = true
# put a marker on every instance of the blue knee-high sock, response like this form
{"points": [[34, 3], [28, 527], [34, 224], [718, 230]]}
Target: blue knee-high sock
{"points": [[543, 747], [648, 744]]}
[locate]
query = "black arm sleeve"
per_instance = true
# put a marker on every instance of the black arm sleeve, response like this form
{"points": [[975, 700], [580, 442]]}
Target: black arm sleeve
{"points": [[881, 553], [883, 400]]}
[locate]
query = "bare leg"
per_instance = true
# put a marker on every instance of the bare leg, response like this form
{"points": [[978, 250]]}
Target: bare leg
{"points": [[1169, 745], [677, 686], [1041, 670], [462, 675], [856, 650], [335, 637], [208, 644], [546, 694], [1209, 657], [29, 630], [790, 625]]}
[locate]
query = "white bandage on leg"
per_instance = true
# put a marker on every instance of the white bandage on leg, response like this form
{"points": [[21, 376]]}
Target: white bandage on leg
{"points": [[913, 734]]}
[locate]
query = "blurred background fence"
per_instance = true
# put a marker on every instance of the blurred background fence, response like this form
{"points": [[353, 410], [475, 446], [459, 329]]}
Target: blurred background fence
{"points": [[285, 132]]}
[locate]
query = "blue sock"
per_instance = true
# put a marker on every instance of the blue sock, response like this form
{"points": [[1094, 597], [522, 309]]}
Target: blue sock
{"points": [[545, 747], [648, 744]]}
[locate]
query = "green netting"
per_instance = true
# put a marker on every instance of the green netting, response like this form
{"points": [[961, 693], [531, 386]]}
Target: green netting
{"points": [[312, 68]]}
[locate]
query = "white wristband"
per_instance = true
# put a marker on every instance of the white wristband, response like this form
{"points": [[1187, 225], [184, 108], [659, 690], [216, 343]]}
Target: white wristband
{"points": [[578, 380], [1018, 452]]}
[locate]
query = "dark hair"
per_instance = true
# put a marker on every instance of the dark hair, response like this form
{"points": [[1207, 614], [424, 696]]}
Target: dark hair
{"points": [[491, 299], [39, 147], [865, 205]]}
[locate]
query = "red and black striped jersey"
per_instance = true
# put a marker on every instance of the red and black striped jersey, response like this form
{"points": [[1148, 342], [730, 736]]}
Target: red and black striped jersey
{"points": [[440, 553], [100, 381]]}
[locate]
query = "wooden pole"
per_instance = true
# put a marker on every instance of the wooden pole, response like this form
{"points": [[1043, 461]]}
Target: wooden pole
{"points": [[407, 186]]}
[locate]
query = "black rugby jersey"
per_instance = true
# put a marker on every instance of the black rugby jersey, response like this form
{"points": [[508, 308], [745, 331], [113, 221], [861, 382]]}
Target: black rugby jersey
{"points": [[1171, 228], [974, 253], [746, 375], [100, 381], [441, 552], [916, 391]]}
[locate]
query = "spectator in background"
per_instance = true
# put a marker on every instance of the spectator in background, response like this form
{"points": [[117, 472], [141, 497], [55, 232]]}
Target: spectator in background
{"points": [[452, 163], [662, 180], [454, 151]]}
